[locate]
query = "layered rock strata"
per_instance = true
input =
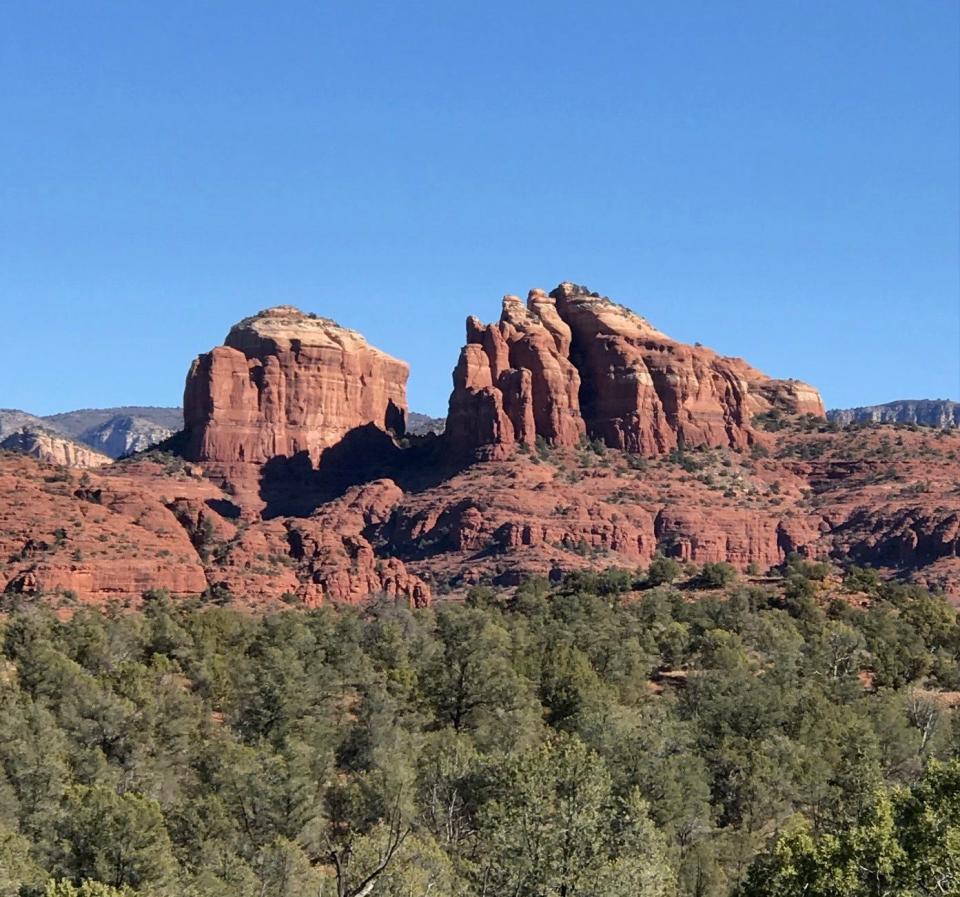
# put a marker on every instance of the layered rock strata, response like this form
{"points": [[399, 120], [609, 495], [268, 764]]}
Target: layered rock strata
{"points": [[575, 363], [286, 383], [53, 448]]}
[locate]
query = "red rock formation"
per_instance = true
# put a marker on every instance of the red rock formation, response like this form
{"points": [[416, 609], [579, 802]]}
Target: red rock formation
{"points": [[883, 496], [515, 382], [500, 520], [286, 383], [95, 537], [337, 561], [109, 537], [597, 368], [564, 366]]}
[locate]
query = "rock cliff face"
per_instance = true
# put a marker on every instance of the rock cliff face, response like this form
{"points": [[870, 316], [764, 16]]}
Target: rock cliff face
{"points": [[353, 513], [925, 412], [124, 434], [53, 448], [575, 363], [515, 381], [286, 383]]}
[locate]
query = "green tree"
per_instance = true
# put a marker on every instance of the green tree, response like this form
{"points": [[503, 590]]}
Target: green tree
{"points": [[928, 818], [87, 888], [662, 570], [906, 843], [861, 579], [470, 681], [571, 690], [639, 866], [861, 861], [717, 576], [33, 753], [554, 828], [17, 867], [118, 839], [544, 834], [285, 870]]}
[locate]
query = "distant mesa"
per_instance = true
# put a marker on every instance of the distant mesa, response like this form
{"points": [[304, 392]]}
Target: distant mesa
{"points": [[12, 420], [88, 420], [52, 448], [424, 425], [124, 435], [922, 412], [114, 432]]}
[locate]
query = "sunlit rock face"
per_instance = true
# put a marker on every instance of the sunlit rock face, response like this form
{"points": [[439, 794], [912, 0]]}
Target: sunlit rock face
{"points": [[53, 448], [286, 383], [574, 363]]}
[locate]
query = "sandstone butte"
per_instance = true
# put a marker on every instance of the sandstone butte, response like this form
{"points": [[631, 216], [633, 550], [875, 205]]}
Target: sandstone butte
{"points": [[579, 436], [284, 384], [572, 364]]}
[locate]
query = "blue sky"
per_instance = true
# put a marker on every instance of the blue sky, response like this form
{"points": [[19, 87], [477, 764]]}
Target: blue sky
{"points": [[776, 180]]}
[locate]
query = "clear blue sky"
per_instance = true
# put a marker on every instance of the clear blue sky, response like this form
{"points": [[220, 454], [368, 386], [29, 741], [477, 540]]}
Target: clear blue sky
{"points": [[778, 180]]}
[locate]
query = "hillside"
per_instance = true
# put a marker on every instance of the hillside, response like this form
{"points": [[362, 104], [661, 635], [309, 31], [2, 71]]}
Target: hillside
{"points": [[75, 423]]}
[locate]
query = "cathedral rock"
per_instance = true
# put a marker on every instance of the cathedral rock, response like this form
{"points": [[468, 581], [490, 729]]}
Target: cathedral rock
{"points": [[573, 363]]}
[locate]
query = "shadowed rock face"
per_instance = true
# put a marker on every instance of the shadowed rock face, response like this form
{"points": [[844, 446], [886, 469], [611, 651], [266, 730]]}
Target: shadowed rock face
{"points": [[575, 363], [286, 383]]}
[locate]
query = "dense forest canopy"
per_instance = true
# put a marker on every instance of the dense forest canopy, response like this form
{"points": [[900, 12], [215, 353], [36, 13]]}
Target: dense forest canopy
{"points": [[678, 736]]}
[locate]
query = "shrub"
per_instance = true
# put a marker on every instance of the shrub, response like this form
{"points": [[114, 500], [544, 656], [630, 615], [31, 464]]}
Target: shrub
{"points": [[662, 570], [860, 579], [717, 576]]}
